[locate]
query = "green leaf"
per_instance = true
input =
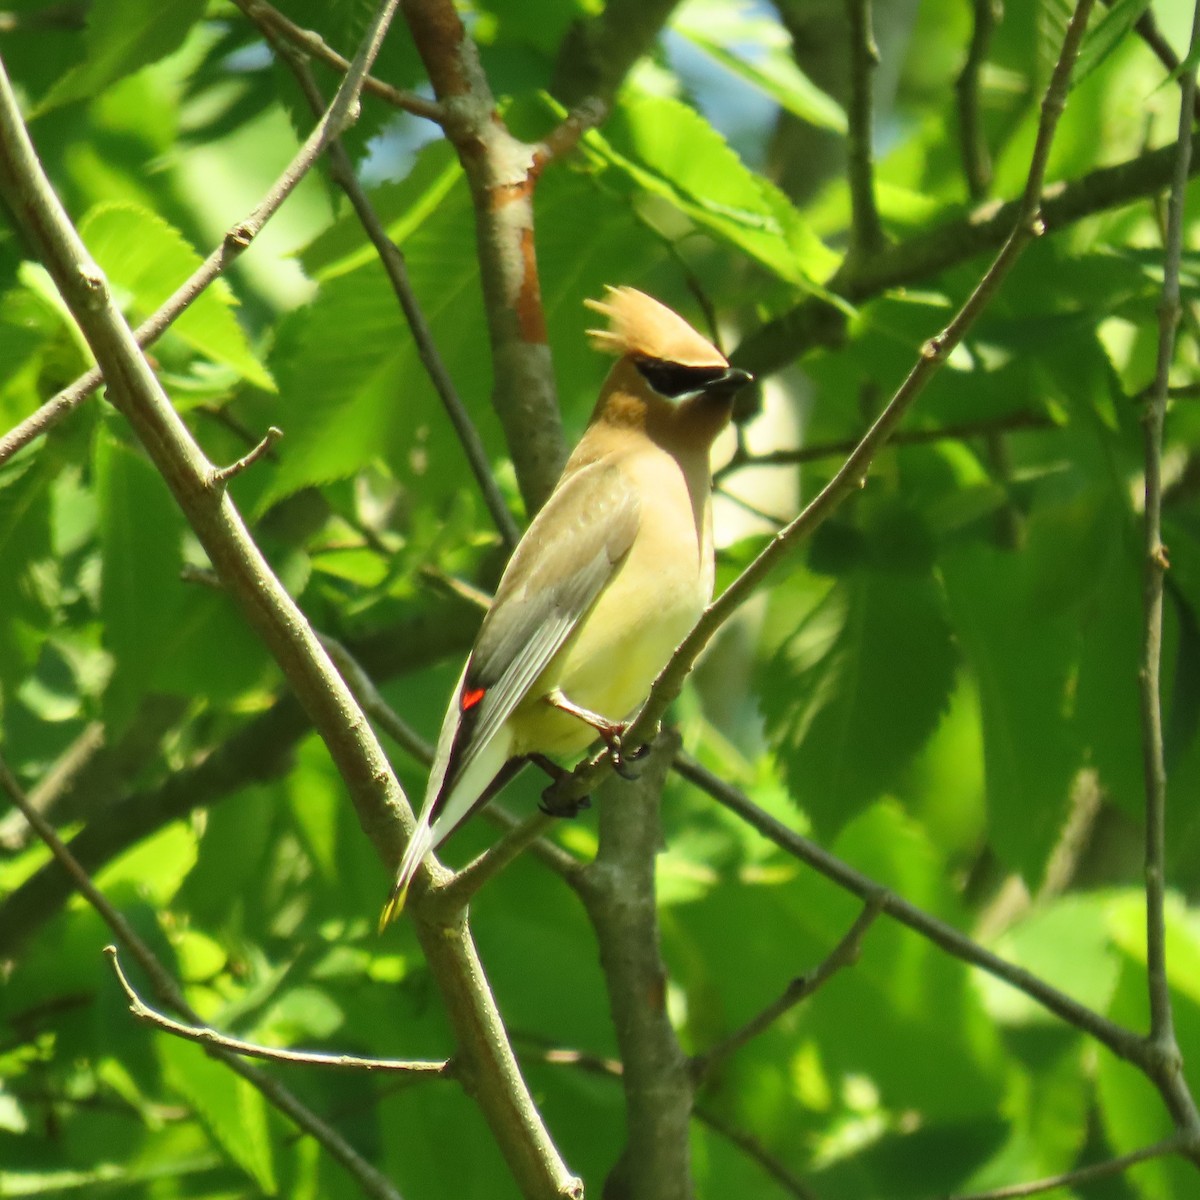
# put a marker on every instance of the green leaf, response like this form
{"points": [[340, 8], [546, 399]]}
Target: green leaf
{"points": [[1103, 36], [232, 1110], [1021, 659], [766, 64], [140, 589], [857, 689], [670, 151], [148, 259], [121, 37], [25, 550]]}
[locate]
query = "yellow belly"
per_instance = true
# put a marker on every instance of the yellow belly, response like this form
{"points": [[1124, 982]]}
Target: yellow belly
{"points": [[651, 603]]}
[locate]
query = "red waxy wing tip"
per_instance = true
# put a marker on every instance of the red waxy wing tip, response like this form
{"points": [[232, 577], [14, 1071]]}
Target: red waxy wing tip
{"points": [[471, 697]]}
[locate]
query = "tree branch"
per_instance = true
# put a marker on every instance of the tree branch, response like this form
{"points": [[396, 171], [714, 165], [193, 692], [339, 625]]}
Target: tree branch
{"points": [[903, 437], [1072, 1179], [599, 51], [1162, 1041], [272, 22], [844, 954], [977, 162], [1121, 1041], [342, 112], [814, 322], [866, 233], [501, 172], [618, 893], [210, 1039]]}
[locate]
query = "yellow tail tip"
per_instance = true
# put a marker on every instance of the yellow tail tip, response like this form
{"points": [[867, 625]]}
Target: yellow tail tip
{"points": [[394, 906]]}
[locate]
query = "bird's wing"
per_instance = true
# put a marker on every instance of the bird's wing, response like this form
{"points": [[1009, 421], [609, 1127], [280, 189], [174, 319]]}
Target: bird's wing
{"points": [[568, 555]]}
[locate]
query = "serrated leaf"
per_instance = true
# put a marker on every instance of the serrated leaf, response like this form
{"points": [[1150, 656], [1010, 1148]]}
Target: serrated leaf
{"points": [[669, 150], [232, 1111], [140, 590], [25, 542], [1021, 657], [858, 688], [122, 36], [771, 71], [148, 259]]}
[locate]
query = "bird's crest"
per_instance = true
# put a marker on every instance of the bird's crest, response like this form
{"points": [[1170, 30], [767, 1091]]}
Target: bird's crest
{"points": [[641, 326]]}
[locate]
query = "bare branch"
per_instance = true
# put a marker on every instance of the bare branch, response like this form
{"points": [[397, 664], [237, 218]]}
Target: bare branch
{"points": [[371, 1182], [267, 17], [341, 113], [977, 162], [844, 954], [1071, 1179], [904, 437], [815, 322], [866, 233], [754, 1150], [618, 893], [1168, 1061], [1121, 1041], [220, 477], [209, 1038], [501, 172]]}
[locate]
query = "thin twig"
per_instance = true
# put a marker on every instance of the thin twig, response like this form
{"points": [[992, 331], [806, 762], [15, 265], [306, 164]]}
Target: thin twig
{"points": [[209, 1038], [165, 988], [1072, 1179], [1162, 1039], [342, 171], [1121, 1041], [754, 1150], [977, 162], [853, 472], [844, 954], [983, 427], [221, 476], [866, 233], [266, 16]]}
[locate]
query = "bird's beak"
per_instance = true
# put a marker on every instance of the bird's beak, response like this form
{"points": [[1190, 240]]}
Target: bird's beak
{"points": [[732, 381]]}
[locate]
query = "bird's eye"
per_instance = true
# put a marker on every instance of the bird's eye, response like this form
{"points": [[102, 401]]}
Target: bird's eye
{"points": [[674, 379]]}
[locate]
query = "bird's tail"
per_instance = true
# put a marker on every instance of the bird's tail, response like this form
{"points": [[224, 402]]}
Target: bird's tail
{"points": [[418, 846]]}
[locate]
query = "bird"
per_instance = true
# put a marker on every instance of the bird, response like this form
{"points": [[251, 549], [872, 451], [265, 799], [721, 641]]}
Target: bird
{"points": [[608, 579]]}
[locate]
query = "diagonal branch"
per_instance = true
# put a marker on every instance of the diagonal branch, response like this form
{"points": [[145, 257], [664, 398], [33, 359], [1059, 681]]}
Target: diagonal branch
{"points": [[275, 24], [1121, 1041], [844, 954]]}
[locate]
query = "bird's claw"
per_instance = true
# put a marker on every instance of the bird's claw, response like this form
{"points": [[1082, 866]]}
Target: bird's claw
{"points": [[555, 805], [623, 763]]}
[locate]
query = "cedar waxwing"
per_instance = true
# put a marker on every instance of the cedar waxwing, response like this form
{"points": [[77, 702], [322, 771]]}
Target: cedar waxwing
{"points": [[607, 581]]}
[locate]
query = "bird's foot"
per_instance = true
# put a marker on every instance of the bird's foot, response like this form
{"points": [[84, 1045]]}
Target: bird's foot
{"points": [[555, 805], [622, 762]]}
